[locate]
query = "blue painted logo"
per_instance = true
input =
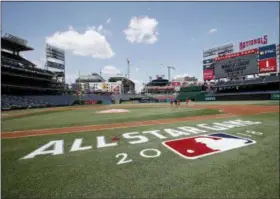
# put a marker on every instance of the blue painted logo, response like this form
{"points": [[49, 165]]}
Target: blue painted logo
{"points": [[266, 52]]}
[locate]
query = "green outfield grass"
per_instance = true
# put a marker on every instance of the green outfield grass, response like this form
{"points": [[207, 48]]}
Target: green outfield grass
{"points": [[248, 172], [64, 118]]}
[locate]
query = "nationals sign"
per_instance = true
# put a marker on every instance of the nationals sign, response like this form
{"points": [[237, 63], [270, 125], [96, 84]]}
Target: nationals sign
{"points": [[249, 43], [268, 65]]}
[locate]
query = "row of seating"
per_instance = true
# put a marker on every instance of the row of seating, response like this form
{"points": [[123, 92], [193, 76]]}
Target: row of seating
{"points": [[259, 80], [10, 101]]}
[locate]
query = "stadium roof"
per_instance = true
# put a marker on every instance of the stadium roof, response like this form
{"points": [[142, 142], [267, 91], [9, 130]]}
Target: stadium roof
{"points": [[13, 43]]}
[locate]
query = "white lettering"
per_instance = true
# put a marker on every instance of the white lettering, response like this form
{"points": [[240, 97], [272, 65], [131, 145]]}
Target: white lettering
{"points": [[248, 122], [215, 127], [229, 126], [57, 150], [155, 133], [142, 153], [133, 135], [192, 129], [175, 133], [123, 160], [77, 146], [101, 143], [236, 123]]}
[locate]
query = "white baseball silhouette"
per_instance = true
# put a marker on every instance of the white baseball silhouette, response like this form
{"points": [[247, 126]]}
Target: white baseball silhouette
{"points": [[221, 144]]}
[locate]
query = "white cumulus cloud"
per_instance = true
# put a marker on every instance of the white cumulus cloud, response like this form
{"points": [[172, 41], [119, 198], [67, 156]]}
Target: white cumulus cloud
{"points": [[90, 43], [142, 30], [110, 70], [138, 85], [181, 76], [213, 30]]}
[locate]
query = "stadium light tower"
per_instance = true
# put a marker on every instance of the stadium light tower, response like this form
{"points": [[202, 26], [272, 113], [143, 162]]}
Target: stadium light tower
{"points": [[168, 68]]}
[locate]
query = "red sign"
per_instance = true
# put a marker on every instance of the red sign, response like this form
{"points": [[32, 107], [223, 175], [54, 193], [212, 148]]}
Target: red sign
{"points": [[208, 74], [268, 65], [238, 54], [174, 84], [245, 44]]}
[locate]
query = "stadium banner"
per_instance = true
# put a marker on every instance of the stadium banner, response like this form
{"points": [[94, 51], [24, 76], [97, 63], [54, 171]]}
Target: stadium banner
{"points": [[275, 96], [268, 65], [208, 74], [174, 84], [253, 42], [237, 66], [208, 61], [238, 54], [56, 65], [266, 52], [212, 98], [224, 52], [206, 67], [214, 51]]}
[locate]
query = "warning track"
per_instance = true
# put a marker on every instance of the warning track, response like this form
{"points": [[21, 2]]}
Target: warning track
{"points": [[228, 111]]}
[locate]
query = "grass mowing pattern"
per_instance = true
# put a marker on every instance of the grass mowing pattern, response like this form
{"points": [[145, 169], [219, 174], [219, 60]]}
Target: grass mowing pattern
{"points": [[248, 172], [89, 117]]}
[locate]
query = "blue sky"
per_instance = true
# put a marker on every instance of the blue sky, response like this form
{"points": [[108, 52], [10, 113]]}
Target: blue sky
{"points": [[102, 34]]}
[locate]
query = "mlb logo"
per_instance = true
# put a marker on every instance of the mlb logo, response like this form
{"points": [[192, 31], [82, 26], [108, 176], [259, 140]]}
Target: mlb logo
{"points": [[204, 145]]}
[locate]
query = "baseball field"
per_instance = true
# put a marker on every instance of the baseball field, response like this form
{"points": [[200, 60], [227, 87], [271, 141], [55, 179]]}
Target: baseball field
{"points": [[203, 150]]}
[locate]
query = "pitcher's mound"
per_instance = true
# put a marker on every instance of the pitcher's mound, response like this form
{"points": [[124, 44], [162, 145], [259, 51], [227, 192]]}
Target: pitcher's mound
{"points": [[114, 111]]}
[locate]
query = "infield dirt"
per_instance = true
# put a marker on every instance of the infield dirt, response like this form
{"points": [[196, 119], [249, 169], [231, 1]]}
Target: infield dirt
{"points": [[228, 111]]}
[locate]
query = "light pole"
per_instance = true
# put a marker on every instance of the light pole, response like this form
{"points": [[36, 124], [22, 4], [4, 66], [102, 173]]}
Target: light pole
{"points": [[168, 68]]}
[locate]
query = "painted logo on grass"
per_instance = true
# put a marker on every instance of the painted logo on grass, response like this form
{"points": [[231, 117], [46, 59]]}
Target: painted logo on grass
{"points": [[204, 145]]}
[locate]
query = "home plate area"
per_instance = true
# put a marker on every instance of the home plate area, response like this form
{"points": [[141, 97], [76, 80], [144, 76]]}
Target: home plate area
{"points": [[114, 111]]}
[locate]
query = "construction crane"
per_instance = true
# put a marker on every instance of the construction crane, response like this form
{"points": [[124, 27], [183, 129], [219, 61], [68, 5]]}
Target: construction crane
{"points": [[168, 68]]}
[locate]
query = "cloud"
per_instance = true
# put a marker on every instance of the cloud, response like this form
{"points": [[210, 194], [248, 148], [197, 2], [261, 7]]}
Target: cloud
{"points": [[142, 30], [138, 85], [213, 30], [181, 76], [100, 28], [108, 21], [90, 43], [110, 70], [70, 78], [136, 69]]}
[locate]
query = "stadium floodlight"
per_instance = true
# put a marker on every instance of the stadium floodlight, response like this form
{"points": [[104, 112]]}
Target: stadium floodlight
{"points": [[168, 68]]}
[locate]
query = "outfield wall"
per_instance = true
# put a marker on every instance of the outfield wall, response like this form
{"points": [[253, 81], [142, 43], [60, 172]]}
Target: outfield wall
{"points": [[243, 96]]}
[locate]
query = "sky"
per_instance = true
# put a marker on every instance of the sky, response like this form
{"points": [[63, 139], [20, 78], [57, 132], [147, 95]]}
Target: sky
{"points": [[102, 35]]}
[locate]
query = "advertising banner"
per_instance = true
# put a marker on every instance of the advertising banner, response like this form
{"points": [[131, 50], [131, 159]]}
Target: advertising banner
{"points": [[208, 74], [212, 98], [55, 65], [238, 54], [237, 66], [266, 52], [208, 61], [215, 50], [174, 84], [206, 67], [268, 65], [224, 52], [253, 42], [208, 64], [275, 96]]}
